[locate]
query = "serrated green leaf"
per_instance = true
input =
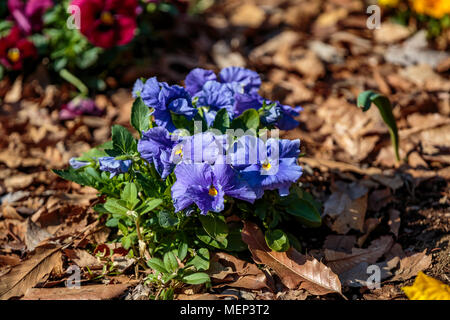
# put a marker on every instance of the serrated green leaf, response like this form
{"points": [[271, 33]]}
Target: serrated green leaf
{"points": [[216, 228], [140, 116], [116, 206], [157, 264], [129, 194], [122, 140]]}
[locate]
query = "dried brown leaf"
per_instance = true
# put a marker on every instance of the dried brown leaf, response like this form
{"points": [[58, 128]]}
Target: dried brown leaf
{"points": [[294, 269], [233, 272], [340, 262], [27, 274], [91, 292], [411, 265]]}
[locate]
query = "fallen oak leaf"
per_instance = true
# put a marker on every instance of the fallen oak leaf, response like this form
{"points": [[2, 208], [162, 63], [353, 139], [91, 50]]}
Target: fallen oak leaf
{"points": [[295, 270], [27, 274]]}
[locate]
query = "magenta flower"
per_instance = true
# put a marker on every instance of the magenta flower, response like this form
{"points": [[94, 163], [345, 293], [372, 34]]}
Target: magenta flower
{"points": [[108, 23], [28, 14], [78, 107]]}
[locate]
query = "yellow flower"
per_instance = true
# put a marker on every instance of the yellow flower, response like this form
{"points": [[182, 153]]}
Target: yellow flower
{"points": [[389, 3], [427, 288], [433, 8]]}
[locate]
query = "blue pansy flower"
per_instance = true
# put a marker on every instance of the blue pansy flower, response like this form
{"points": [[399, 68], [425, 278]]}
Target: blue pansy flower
{"points": [[156, 147], [196, 79], [74, 163], [201, 147], [281, 116], [113, 166], [267, 166], [137, 88], [207, 186], [246, 78], [216, 96], [176, 100]]}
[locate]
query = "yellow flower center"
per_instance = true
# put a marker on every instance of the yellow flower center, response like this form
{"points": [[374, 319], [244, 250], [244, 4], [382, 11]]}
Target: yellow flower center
{"points": [[13, 54], [107, 18], [212, 191], [179, 152], [266, 165]]}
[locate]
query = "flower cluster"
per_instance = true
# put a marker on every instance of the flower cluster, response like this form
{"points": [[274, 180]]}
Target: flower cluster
{"points": [[207, 158], [207, 167], [235, 89]]}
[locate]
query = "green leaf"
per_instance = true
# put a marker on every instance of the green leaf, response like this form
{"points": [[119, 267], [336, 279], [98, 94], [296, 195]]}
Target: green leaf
{"points": [[235, 242], [216, 231], [140, 116], [126, 242], [222, 121], [170, 262], [122, 139], [149, 205], [247, 120], [116, 206], [196, 278], [157, 264], [181, 122], [129, 194], [182, 250], [365, 101], [76, 176], [200, 261], [305, 211], [167, 219], [112, 223], [277, 240]]}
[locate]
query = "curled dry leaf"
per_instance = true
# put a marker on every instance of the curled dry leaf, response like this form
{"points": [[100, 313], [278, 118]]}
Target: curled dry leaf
{"points": [[30, 272], [340, 261], [231, 271], [294, 269]]}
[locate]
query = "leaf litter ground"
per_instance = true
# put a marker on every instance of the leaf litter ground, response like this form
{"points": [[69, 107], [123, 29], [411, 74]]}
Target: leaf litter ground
{"points": [[317, 54]]}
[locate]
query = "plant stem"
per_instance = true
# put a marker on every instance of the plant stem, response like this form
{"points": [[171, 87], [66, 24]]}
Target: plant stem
{"points": [[69, 77]]}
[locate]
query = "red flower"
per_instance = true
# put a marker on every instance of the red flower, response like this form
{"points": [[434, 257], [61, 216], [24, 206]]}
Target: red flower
{"points": [[108, 23], [14, 49]]}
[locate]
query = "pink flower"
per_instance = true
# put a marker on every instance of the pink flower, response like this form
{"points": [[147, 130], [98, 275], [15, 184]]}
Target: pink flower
{"points": [[108, 23], [28, 14], [15, 49], [78, 107]]}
